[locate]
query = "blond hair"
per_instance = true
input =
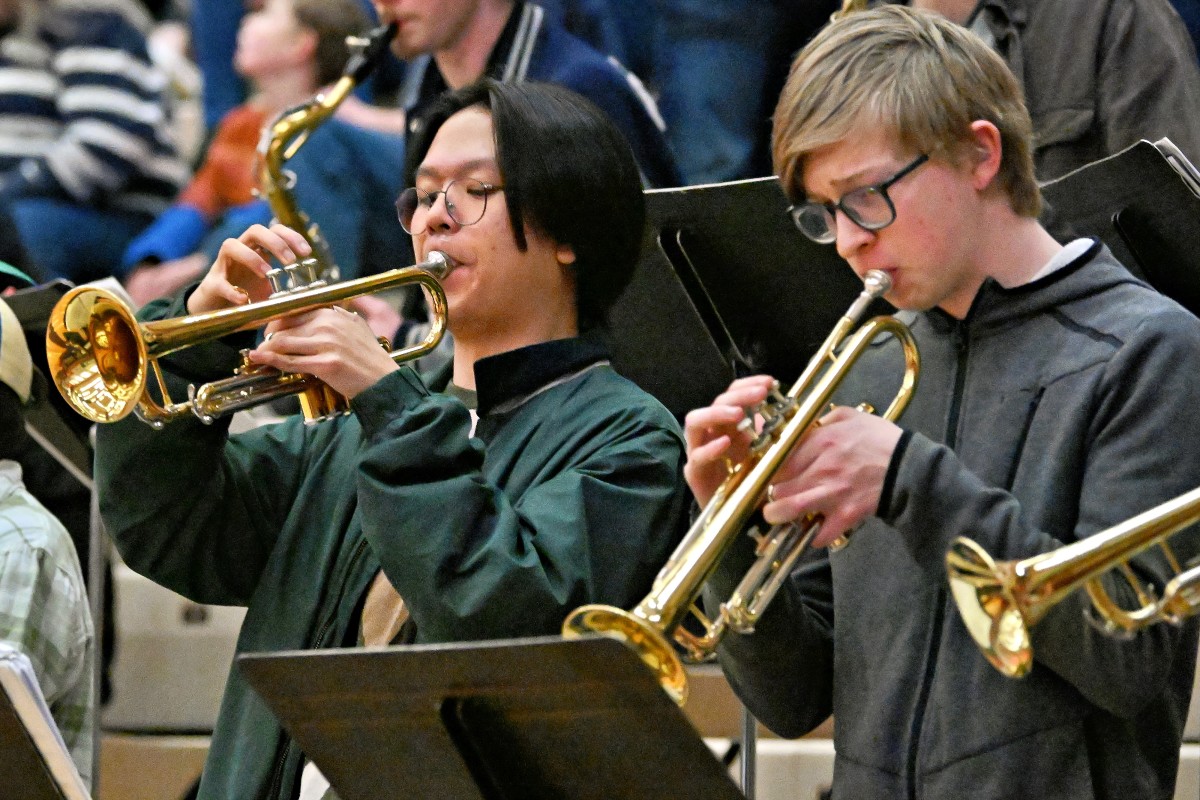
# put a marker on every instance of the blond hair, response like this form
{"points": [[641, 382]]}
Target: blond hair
{"points": [[922, 77]]}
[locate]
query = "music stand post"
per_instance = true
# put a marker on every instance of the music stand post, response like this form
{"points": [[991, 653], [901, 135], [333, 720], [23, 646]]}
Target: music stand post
{"points": [[534, 719]]}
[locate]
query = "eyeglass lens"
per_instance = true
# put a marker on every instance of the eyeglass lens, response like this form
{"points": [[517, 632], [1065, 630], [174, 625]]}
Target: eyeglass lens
{"points": [[867, 207], [465, 199]]}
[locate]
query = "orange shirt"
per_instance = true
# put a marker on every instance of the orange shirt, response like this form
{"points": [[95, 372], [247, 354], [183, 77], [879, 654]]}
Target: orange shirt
{"points": [[227, 177]]}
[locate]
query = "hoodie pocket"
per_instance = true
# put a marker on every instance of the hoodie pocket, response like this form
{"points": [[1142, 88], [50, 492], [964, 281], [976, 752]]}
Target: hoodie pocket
{"points": [[1050, 764]]}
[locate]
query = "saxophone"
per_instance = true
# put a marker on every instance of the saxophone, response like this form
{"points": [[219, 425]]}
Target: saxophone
{"points": [[849, 7], [285, 136]]}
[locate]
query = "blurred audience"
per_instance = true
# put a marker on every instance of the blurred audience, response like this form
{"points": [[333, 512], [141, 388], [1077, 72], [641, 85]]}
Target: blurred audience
{"points": [[345, 168], [214, 28], [87, 157], [716, 67], [1127, 71], [287, 50]]}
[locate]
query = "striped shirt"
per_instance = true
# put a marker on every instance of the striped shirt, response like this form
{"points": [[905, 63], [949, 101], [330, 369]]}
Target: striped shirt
{"points": [[44, 611], [83, 115]]}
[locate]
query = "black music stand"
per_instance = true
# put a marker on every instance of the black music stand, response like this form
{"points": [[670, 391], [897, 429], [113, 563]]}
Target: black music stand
{"points": [[532, 719], [726, 286], [1144, 203]]}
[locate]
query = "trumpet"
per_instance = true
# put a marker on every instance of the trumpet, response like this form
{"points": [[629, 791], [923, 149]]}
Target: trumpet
{"points": [[100, 356], [786, 419], [1000, 601]]}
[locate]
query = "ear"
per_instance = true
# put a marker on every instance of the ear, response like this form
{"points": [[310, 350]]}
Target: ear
{"points": [[565, 254], [306, 46], [986, 153]]}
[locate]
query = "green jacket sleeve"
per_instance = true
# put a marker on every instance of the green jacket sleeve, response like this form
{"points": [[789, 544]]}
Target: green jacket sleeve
{"points": [[589, 515], [188, 506]]}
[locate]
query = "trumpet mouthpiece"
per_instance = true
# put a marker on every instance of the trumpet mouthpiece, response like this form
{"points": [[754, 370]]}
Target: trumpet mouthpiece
{"points": [[877, 283], [438, 263]]}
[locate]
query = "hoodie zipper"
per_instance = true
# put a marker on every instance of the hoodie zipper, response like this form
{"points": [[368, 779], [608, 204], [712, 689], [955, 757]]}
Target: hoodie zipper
{"points": [[277, 777], [961, 348]]}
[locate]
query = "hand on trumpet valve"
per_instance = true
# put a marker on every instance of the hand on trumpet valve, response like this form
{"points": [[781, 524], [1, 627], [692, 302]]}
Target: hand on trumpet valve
{"points": [[238, 276], [836, 472], [335, 344], [719, 434]]}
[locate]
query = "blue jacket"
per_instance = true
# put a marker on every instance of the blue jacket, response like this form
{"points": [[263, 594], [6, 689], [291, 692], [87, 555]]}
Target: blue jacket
{"points": [[533, 47]]}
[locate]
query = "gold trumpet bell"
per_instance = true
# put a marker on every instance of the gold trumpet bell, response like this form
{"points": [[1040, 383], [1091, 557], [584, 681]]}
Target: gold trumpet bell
{"points": [[98, 357], [982, 590], [638, 635]]}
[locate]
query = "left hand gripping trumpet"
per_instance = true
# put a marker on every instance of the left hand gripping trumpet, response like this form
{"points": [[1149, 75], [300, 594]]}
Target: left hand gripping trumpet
{"points": [[786, 419]]}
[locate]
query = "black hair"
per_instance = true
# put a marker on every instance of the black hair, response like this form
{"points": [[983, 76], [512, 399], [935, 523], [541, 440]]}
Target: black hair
{"points": [[568, 174]]}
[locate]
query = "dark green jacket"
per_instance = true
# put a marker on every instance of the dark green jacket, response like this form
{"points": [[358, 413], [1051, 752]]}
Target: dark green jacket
{"points": [[569, 493]]}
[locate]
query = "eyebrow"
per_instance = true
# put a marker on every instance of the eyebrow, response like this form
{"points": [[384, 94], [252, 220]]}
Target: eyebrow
{"points": [[462, 168], [853, 182]]}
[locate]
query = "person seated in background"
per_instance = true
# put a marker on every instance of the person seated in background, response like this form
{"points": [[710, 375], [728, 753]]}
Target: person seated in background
{"points": [[87, 158], [345, 169], [447, 45], [715, 67], [1125, 71], [212, 30], [523, 480], [287, 50], [44, 610], [1056, 399]]}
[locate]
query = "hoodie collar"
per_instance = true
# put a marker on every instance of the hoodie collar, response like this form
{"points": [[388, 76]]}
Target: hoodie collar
{"points": [[994, 306]]}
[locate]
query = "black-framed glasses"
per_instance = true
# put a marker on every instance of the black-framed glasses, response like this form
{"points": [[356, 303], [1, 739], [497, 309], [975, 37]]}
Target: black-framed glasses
{"points": [[868, 207], [466, 201]]}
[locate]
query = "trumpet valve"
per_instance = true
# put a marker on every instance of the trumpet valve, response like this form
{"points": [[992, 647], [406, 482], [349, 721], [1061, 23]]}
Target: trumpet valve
{"points": [[302, 274], [245, 364], [761, 540]]}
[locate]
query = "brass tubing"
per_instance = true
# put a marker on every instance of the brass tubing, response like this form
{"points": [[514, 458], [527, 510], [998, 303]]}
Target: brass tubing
{"points": [[672, 597]]}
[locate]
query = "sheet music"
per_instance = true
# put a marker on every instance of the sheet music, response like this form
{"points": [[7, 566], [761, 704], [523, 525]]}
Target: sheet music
{"points": [[22, 691]]}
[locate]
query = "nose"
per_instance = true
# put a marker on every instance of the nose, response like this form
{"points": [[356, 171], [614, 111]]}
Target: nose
{"points": [[851, 237], [438, 217]]}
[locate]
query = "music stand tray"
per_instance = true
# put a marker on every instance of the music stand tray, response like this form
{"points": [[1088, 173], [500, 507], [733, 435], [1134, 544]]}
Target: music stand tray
{"points": [[34, 762], [534, 719], [1143, 203]]}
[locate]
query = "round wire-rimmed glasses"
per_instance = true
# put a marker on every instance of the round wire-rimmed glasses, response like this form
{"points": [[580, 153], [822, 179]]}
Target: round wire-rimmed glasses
{"points": [[868, 207], [465, 199]]}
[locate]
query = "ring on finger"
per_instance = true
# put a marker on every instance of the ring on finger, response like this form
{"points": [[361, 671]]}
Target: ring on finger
{"points": [[840, 542]]}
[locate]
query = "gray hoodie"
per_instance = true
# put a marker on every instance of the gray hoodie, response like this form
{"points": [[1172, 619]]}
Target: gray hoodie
{"points": [[1053, 411]]}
